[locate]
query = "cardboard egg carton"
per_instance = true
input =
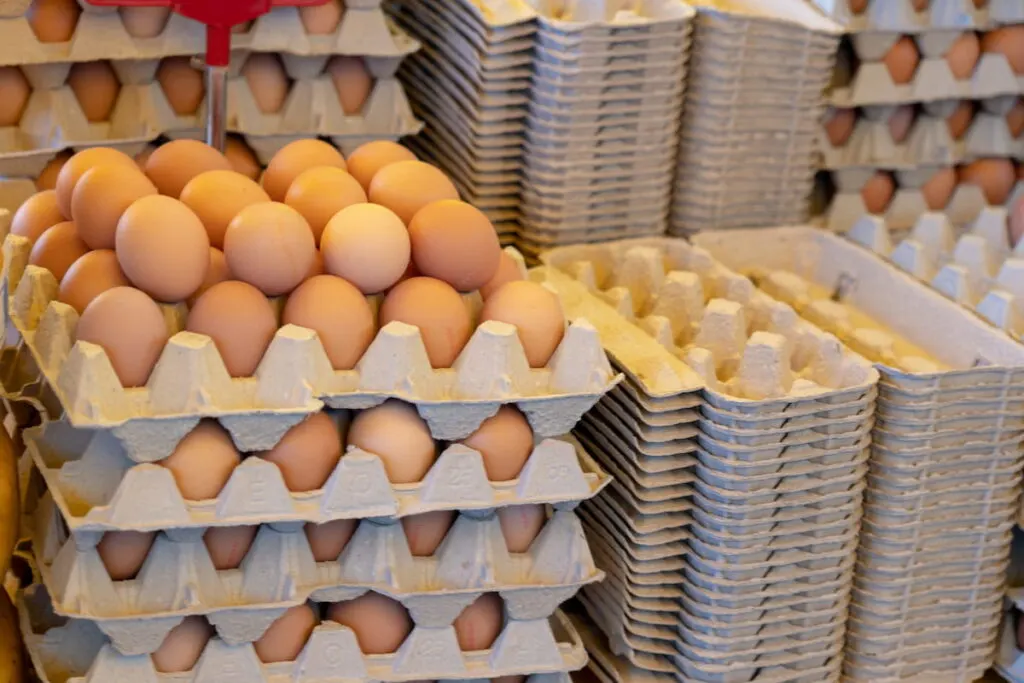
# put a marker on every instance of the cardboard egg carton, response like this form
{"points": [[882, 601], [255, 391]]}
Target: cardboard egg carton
{"points": [[294, 378], [76, 651], [899, 16]]}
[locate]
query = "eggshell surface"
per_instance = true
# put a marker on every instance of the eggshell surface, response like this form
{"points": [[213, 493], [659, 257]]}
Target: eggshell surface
{"points": [[144, 22], [268, 81], [405, 187], [57, 249], [340, 315], [878, 192], [370, 157], [396, 433], [14, 94], [939, 188], [328, 540], [902, 60], [228, 545], [437, 310], [839, 125], [995, 177], [508, 271], [480, 624], [380, 624], [183, 646], [96, 88], [203, 461], [78, 165], [131, 329], [124, 552], [88, 277], [182, 84], [217, 197], [295, 158], [352, 81], [320, 193], [505, 441], [536, 314], [368, 245], [270, 246], [520, 525], [425, 532], [455, 242], [36, 215], [320, 20], [53, 21], [172, 165], [47, 178], [101, 197], [284, 640], [241, 322]]}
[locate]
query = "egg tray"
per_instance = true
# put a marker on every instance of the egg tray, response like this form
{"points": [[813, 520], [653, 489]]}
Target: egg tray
{"points": [[971, 666], [899, 16], [76, 651]]}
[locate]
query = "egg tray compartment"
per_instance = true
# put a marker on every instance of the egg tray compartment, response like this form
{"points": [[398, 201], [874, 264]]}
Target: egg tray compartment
{"points": [[178, 578], [899, 16], [293, 376]]}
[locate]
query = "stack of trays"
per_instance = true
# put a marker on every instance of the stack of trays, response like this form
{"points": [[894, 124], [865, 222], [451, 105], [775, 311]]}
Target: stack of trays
{"points": [[470, 83], [758, 72], [603, 124], [942, 494], [767, 479]]}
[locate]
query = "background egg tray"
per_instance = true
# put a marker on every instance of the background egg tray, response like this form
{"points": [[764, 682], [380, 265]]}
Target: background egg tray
{"points": [[900, 15]]}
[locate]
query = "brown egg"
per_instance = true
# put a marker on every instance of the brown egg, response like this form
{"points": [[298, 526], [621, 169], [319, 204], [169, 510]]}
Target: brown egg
{"points": [[455, 242], [535, 312], [295, 158], [321, 192], [203, 461], [1008, 41], [317, 267], [321, 20], [124, 552], [405, 187], [901, 121], [480, 624], [53, 21], [901, 60], [78, 165], [520, 525], [182, 84], [183, 646], [425, 532], [174, 164], [857, 6], [366, 244], [353, 82], [328, 540], [995, 177], [1015, 118], [963, 55], [241, 322], [339, 314], [878, 192], [839, 125], [162, 247], [960, 120], [47, 179], [437, 310], [131, 329], [144, 22], [396, 433], [1016, 222], [939, 188], [217, 272], [268, 81], [101, 197], [920, 5], [90, 276], [242, 158], [228, 545], [370, 157], [217, 197], [96, 88], [270, 246], [142, 158], [14, 89], [379, 623], [36, 215], [58, 248], [308, 453], [505, 441], [284, 640], [508, 271]]}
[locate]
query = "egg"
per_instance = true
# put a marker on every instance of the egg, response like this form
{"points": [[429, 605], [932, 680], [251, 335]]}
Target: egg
{"points": [[366, 244], [270, 246], [353, 82], [96, 88], [14, 93], [437, 310], [36, 215], [339, 314], [1016, 222], [228, 545], [101, 197], [505, 441], [535, 312], [839, 125], [939, 188], [857, 6], [321, 20], [142, 158], [509, 270], [901, 121], [1015, 118], [405, 187], [316, 267], [308, 453], [480, 624], [379, 623], [520, 525], [396, 433], [78, 165], [217, 272], [53, 21], [959, 120], [995, 177], [124, 552], [58, 248], [131, 329], [1009, 42], [901, 60], [320, 193], [328, 540], [172, 165], [963, 55], [203, 461], [92, 274], [217, 197], [425, 532], [162, 247], [144, 22], [182, 84], [268, 81], [455, 242], [242, 158], [284, 640], [295, 158], [241, 322], [183, 646], [370, 157], [877, 192], [47, 178], [920, 5]]}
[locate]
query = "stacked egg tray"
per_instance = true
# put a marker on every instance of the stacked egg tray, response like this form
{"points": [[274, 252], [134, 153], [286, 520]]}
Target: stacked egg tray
{"points": [[944, 481], [758, 72], [746, 572]]}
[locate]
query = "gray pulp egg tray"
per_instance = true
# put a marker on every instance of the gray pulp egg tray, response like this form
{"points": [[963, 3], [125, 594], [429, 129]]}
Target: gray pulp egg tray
{"points": [[899, 16], [178, 578], [293, 380], [75, 651]]}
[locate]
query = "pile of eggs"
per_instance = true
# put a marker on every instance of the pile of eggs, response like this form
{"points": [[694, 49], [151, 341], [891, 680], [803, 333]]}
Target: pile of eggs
{"points": [[323, 233]]}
